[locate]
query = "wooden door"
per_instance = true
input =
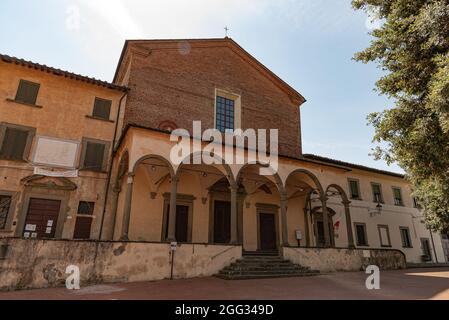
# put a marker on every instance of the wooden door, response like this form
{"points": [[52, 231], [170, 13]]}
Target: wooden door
{"points": [[182, 223], [42, 218], [222, 221], [267, 225]]}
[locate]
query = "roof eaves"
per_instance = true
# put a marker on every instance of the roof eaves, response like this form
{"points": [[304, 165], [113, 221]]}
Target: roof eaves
{"points": [[59, 72]]}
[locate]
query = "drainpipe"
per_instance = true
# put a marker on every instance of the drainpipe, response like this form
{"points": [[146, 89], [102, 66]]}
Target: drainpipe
{"points": [[111, 160], [433, 245]]}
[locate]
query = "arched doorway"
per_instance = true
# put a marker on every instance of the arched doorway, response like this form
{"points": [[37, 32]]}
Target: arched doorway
{"points": [[264, 209], [220, 212], [319, 223]]}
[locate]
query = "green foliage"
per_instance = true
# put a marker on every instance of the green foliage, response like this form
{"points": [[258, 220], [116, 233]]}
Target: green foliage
{"points": [[412, 47]]}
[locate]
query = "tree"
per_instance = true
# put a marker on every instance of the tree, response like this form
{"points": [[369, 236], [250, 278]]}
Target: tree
{"points": [[412, 47]]}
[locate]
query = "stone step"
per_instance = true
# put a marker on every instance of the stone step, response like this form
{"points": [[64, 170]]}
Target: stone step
{"points": [[263, 272], [260, 253], [267, 276], [265, 266], [262, 260], [256, 266]]}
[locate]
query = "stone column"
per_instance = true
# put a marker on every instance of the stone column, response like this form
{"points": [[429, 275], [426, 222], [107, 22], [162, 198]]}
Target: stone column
{"points": [[284, 226], [234, 233], [349, 225], [327, 242], [172, 213], [127, 209], [116, 194], [306, 226]]}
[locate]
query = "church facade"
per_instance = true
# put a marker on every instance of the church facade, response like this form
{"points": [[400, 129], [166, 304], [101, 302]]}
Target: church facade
{"points": [[120, 182]]}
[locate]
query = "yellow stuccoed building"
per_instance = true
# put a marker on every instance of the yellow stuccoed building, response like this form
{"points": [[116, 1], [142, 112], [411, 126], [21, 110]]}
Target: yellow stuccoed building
{"points": [[86, 167]]}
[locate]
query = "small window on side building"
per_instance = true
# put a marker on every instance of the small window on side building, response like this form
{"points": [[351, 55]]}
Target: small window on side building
{"points": [[27, 92], [15, 141], [5, 205], [360, 230], [377, 192], [84, 219], [405, 236], [94, 155], [354, 189], [102, 108]]}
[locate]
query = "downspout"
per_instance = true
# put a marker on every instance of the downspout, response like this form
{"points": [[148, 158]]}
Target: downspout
{"points": [[433, 245], [111, 160]]}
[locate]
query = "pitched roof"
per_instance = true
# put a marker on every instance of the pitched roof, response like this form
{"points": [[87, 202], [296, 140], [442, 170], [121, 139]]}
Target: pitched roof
{"points": [[323, 160], [225, 42], [59, 72]]}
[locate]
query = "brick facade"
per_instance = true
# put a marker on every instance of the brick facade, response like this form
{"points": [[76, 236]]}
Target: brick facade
{"points": [[176, 81]]}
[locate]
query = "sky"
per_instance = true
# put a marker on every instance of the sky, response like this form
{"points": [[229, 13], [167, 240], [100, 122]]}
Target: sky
{"points": [[308, 43]]}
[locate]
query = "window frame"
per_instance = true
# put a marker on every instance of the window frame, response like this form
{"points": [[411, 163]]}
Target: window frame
{"points": [[402, 228], [401, 204], [237, 107], [107, 146], [23, 81], [356, 224], [358, 188], [84, 216], [27, 149], [384, 226], [381, 200], [11, 210], [93, 116]]}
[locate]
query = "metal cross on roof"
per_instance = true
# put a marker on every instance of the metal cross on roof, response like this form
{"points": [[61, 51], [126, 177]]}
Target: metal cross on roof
{"points": [[226, 31]]}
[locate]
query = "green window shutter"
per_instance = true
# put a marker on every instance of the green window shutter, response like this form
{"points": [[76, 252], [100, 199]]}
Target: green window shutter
{"points": [[27, 92], [14, 144], [102, 108], [94, 156], [354, 189], [397, 196]]}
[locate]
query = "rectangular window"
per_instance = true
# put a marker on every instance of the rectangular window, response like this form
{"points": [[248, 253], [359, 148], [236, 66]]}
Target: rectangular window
{"points": [[416, 203], [15, 141], [360, 230], [377, 192], [405, 236], [397, 194], [354, 189], [425, 247], [27, 92], [384, 236], [94, 155], [224, 114], [84, 220], [102, 108], [5, 205]]}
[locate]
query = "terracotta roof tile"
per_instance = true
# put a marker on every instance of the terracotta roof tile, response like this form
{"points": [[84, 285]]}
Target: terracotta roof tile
{"points": [[59, 72]]}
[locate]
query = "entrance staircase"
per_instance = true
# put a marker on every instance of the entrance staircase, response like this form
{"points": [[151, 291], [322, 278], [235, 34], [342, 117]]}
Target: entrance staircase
{"points": [[266, 264]]}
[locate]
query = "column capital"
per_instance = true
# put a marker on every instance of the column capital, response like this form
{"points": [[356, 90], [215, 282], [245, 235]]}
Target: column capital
{"points": [[130, 178], [234, 187], [283, 196], [324, 198], [174, 179], [346, 202]]}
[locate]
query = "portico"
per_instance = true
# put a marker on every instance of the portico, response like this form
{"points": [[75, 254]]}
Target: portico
{"points": [[218, 203]]}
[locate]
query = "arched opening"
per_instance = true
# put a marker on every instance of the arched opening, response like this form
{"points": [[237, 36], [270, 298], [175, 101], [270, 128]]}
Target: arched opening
{"points": [[304, 192], [142, 202], [220, 212], [262, 217], [208, 189], [335, 191], [319, 225]]}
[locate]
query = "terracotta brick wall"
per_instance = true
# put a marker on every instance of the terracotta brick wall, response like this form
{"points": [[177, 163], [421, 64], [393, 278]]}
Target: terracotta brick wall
{"points": [[167, 84]]}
